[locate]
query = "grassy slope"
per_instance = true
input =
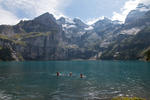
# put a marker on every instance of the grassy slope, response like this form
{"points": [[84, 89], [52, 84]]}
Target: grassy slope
{"points": [[128, 98]]}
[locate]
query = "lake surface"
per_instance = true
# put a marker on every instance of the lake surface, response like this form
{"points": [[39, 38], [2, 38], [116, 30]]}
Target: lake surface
{"points": [[103, 80]]}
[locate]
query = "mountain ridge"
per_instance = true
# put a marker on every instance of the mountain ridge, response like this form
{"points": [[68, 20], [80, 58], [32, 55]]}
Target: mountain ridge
{"points": [[47, 38]]}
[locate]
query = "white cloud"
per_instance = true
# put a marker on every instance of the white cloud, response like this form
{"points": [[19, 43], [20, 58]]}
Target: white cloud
{"points": [[29, 9], [93, 20], [129, 5], [13, 10], [145, 2], [7, 17]]}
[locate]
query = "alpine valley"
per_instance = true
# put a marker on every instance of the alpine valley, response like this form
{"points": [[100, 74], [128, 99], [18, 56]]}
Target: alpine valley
{"points": [[45, 38]]}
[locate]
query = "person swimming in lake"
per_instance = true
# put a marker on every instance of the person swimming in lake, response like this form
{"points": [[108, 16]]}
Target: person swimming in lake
{"points": [[70, 74], [57, 73], [81, 75]]}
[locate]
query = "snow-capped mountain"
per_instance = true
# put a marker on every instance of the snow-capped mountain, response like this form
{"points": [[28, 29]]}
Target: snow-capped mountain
{"points": [[47, 38], [136, 14]]}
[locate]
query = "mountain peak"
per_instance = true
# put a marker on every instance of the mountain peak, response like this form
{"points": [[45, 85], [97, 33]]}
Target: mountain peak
{"points": [[79, 23], [141, 5], [61, 20], [137, 13], [77, 20], [45, 15], [45, 18], [105, 20], [43, 23]]}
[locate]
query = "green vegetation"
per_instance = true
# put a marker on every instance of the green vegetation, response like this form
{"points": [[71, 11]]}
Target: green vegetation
{"points": [[4, 37], [128, 98], [22, 43], [1, 47], [18, 39], [34, 34], [30, 35], [11, 40]]}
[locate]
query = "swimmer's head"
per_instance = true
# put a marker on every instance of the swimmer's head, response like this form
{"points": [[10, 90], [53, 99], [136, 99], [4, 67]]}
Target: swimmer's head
{"points": [[70, 74], [81, 75]]}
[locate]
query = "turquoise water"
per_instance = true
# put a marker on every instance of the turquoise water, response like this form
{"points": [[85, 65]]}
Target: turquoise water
{"points": [[103, 80]]}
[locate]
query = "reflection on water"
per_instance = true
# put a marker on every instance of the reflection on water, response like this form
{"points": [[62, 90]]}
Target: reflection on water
{"points": [[104, 80]]}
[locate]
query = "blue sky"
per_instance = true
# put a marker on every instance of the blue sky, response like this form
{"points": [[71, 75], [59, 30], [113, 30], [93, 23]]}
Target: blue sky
{"points": [[93, 8], [12, 11]]}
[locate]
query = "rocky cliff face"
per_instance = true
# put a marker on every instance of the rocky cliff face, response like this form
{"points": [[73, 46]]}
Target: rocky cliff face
{"points": [[38, 39]]}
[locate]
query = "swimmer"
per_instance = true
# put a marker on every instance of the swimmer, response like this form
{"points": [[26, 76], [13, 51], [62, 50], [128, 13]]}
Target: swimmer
{"points": [[70, 74], [81, 75], [57, 73]]}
